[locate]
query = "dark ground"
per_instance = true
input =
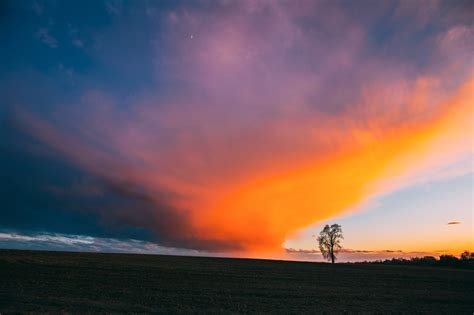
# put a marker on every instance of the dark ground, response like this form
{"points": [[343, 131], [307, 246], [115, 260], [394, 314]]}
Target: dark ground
{"points": [[111, 283]]}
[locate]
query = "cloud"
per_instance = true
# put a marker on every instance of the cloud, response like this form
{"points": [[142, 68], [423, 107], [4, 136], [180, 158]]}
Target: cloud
{"points": [[50, 238], [44, 35], [78, 43], [454, 223], [83, 243], [343, 250], [357, 255], [66, 70], [278, 117], [114, 7], [69, 242], [37, 8]]}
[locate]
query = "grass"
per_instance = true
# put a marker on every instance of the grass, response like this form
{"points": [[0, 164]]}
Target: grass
{"points": [[56, 282]]}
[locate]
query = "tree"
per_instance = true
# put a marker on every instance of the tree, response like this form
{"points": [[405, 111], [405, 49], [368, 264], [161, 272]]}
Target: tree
{"points": [[466, 256], [330, 241], [448, 260]]}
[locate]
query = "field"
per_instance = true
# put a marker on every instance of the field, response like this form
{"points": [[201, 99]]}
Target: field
{"points": [[55, 282]]}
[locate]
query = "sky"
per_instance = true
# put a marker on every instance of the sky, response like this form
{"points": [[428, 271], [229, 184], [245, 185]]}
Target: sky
{"points": [[237, 128]]}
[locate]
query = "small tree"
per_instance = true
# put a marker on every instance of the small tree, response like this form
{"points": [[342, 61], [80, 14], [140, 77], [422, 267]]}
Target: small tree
{"points": [[330, 241], [466, 256]]}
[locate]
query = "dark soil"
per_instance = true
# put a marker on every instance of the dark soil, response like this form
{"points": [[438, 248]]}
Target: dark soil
{"points": [[58, 282]]}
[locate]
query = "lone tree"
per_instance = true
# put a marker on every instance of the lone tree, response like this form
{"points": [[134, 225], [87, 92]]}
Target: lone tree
{"points": [[330, 241]]}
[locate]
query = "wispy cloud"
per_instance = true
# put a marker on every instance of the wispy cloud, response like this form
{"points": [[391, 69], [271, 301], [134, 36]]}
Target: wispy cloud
{"points": [[454, 223], [114, 7], [37, 7], [344, 250], [47, 238], [78, 43], [68, 242], [352, 255], [44, 35], [66, 70]]}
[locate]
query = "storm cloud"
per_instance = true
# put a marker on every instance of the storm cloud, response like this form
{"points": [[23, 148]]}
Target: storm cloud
{"points": [[228, 126]]}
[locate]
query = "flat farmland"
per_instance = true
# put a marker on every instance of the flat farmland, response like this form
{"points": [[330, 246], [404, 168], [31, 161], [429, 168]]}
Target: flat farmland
{"points": [[59, 282]]}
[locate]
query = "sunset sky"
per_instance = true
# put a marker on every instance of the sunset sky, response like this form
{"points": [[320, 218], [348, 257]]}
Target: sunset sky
{"points": [[237, 128]]}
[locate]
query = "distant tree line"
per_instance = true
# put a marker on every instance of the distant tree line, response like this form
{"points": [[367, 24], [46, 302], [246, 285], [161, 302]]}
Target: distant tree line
{"points": [[466, 260]]}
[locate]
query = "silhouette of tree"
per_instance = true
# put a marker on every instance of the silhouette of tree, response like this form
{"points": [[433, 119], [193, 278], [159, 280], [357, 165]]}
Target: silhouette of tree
{"points": [[465, 256], [330, 241], [466, 260], [448, 260]]}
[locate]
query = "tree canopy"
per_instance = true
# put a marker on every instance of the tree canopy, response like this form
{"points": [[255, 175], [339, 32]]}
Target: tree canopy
{"points": [[330, 241]]}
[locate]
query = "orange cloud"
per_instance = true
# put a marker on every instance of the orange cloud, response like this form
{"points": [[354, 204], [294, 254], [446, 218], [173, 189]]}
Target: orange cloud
{"points": [[260, 214], [254, 201], [278, 125]]}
